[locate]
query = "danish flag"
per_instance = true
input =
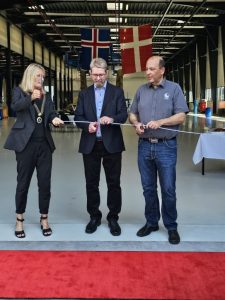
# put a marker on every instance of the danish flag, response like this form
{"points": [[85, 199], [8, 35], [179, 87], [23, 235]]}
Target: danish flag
{"points": [[136, 48]]}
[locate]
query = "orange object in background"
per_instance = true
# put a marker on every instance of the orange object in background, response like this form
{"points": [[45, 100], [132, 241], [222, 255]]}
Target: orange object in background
{"points": [[5, 112], [202, 106]]}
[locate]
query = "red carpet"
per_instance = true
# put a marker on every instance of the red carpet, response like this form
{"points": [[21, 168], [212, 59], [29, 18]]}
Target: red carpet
{"points": [[123, 275]]}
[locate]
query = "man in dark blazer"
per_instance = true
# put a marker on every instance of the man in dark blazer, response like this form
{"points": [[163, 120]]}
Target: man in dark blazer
{"points": [[98, 107]]}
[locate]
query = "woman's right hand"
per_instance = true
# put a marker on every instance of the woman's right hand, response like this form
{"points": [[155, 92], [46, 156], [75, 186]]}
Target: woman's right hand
{"points": [[36, 94]]}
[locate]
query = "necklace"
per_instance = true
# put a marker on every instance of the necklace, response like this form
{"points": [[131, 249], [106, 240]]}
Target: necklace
{"points": [[40, 112]]}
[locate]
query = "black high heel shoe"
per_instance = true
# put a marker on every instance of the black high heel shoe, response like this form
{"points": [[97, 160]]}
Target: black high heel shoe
{"points": [[45, 231], [20, 233]]}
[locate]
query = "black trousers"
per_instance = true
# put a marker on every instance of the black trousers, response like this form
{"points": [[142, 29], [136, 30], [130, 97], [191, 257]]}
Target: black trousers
{"points": [[36, 155], [112, 166]]}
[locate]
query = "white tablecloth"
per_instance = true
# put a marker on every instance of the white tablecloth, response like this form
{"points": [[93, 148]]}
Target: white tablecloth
{"points": [[210, 145]]}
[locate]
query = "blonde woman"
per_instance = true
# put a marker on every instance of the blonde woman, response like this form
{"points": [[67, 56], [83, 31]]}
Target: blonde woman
{"points": [[31, 139]]}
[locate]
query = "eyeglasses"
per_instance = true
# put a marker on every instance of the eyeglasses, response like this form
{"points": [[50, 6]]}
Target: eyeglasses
{"points": [[98, 75]]}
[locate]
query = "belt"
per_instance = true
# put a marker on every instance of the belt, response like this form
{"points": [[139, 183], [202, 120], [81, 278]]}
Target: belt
{"points": [[155, 140], [98, 139]]}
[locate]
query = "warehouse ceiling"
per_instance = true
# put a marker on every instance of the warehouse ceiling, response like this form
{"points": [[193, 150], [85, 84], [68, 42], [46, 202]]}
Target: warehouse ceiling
{"points": [[56, 24]]}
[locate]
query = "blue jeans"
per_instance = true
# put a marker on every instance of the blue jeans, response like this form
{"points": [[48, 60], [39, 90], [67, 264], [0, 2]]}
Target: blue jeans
{"points": [[159, 160]]}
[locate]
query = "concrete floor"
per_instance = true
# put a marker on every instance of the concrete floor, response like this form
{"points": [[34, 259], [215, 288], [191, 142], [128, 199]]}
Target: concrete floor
{"points": [[201, 205]]}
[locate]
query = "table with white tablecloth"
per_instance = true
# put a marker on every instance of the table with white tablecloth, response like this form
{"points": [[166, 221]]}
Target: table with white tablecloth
{"points": [[210, 145]]}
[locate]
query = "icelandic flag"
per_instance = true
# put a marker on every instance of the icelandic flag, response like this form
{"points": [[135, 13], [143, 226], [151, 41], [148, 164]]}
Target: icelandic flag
{"points": [[136, 48], [95, 43]]}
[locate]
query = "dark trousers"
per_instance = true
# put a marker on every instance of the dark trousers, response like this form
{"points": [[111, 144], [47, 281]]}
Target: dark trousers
{"points": [[35, 155], [112, 166]]}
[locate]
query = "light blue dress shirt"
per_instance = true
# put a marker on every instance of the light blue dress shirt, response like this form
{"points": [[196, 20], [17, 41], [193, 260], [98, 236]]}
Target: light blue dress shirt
{"points": [[99, 98]]}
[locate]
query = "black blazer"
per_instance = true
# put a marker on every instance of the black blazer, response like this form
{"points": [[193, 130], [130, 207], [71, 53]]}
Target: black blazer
{"points": [[114, 106], [25, 122]]}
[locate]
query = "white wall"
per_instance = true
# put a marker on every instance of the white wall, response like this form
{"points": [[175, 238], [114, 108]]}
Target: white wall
{"points": [[131, 83]]}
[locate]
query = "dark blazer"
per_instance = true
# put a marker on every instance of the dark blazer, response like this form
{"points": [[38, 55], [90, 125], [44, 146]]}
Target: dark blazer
{"points": [[25, 122], [114, 106]]}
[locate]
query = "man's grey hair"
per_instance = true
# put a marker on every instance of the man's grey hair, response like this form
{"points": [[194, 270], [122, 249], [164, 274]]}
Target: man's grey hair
{"points": [[161, 62], [98, 62]]}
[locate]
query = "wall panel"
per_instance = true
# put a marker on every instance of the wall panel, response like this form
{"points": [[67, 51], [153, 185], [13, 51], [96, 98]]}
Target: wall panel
{"points": [[46, 57], [3, 32], [38, 52], [15, 39], [52, 61], [28, 46]]}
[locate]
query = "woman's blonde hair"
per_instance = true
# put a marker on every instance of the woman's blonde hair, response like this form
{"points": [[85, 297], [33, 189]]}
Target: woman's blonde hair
{"points": [[27, 83]]}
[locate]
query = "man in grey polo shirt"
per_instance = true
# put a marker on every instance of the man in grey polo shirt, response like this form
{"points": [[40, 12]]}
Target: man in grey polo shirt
{"points": [[158, 105]]}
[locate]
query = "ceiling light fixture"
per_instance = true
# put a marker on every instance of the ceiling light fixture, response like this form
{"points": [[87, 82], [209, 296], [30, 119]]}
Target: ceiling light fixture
{"points": [[114, 6], [115, 20]]}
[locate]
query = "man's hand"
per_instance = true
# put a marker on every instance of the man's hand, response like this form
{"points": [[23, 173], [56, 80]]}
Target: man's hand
{"points": [[92, 127], [105, 120], [140, 128], [153, 124]]}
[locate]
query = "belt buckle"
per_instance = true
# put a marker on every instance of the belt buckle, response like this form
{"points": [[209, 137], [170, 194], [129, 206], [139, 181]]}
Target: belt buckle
{"points": [[153, 140]]}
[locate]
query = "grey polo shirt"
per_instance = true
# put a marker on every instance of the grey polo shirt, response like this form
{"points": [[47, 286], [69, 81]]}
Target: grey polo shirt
{"points": [[159, 103]]}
